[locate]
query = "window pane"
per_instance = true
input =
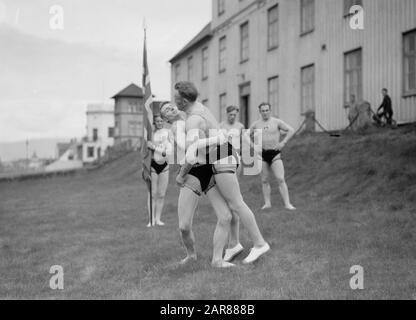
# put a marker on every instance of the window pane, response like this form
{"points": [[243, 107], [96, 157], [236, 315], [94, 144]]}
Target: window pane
{"points": [[308, 89], [273, 23]]}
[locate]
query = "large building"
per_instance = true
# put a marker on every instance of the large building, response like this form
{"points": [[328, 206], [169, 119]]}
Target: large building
{"points": [[303, 55]]}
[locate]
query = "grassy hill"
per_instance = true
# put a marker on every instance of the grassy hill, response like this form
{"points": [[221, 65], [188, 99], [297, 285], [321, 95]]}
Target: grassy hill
{"points": [[356, 200]]}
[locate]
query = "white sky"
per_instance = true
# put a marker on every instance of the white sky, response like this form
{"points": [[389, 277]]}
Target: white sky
{"points": [[47, 77]]}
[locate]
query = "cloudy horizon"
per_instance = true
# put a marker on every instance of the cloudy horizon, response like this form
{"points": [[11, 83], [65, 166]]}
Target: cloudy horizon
{"points": [[47, 77]]}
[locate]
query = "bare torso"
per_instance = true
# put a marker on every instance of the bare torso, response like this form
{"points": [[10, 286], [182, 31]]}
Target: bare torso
{"points": [[271, 132]]}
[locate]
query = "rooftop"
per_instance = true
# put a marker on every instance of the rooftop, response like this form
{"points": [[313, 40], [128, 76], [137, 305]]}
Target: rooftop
{"points": [[204, 34], [131, 91]]}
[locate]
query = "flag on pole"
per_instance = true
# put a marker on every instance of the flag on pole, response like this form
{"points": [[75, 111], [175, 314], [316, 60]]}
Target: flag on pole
{"points": [[147, 129]]}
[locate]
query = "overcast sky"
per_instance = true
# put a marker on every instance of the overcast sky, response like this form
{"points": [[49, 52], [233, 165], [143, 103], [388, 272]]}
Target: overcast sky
{"points": [[47, 77]]}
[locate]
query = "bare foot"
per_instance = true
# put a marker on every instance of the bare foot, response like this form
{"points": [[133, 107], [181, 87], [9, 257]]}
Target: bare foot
{"points": [[267, 206], [223, 265], [290, 207], [188, 259]]}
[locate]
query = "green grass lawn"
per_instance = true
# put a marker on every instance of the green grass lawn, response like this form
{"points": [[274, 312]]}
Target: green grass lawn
{"points": [[356, 200]]}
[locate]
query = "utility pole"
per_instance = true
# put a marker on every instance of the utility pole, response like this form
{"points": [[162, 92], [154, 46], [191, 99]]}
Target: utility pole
{"points": [[27, 154]]}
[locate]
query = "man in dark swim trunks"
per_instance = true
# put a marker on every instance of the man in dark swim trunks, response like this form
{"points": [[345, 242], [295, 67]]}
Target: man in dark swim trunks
{"points": [[271, 129], [201, 126]]}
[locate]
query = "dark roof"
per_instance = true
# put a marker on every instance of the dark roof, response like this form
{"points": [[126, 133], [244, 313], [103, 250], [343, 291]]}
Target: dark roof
{"points": [[204, 34], [132, 91]]}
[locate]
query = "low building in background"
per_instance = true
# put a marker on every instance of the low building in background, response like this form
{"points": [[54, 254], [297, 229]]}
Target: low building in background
{"points": [[100, 132], [71, 159]]}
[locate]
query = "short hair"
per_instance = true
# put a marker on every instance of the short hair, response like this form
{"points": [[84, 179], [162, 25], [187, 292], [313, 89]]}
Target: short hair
{"points": [[265, 104], [384, 89], [187, 90], [160, 110], [232, 108]]}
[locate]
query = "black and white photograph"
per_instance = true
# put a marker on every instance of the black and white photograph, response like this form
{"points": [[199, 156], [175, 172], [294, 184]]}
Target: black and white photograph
{"points": [[227, 151]]}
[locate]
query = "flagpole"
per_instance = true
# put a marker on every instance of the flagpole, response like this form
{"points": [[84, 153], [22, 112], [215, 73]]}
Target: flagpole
{"points": [[145, 138]]}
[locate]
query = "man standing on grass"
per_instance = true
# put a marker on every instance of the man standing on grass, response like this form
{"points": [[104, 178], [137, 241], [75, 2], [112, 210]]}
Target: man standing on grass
{"points": [[271, 129]]}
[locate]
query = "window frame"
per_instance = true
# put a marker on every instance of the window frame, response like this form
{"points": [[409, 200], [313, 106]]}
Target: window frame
{"points": [[221, 96], [243, 45], [204, 64], [360, 85], [190, 67], [271, 46], [412, 92], [220, 7], [275, 108], [302, 109], [222, 69], [302, 7]]}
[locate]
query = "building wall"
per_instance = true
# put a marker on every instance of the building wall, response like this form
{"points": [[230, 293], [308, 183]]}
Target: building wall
{"points": [[380, 41], [202, 84], [128, 112]]}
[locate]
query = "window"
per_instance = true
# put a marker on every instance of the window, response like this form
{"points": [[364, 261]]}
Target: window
{"points": [[222, 54], [223, 106], [307, 15], [177, 72], [204, 63], [111, 132], [94, 135], [190, 68], [205, 103], [244, 42], [273, 27], [409, 64], [273, 94], [133, 106], [221, 7], [134, 127], [90, 152], [348, 4], [308, 88], [353, 75]]}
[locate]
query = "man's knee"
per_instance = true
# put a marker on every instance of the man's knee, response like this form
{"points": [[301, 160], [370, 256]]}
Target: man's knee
{"points": [[225, 219], [185, 227], [265, 180], [280, 180]]}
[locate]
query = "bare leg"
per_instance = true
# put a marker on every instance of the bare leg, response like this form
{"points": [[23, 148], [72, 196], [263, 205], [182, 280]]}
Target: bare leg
{"points": [[279, 172], [222, 229], [187, 204], [267, 190], [234, 238], [230, 189], [155, 179], [160, 196]]}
